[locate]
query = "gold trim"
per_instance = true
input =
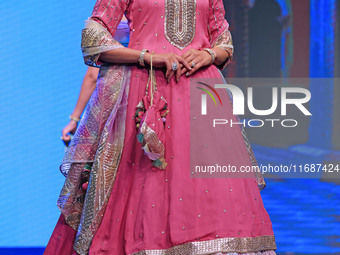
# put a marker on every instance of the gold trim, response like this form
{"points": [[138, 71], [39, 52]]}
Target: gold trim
{"points": [[228, 244], [225, 41], [96, 39], [180, 22], [106, 162], [99, 139]]}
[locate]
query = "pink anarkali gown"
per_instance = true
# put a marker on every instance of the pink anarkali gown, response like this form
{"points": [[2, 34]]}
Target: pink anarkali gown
{"points": [[131, 206]]}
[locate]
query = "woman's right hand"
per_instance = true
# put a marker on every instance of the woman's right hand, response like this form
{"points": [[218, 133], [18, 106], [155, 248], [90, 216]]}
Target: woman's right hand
{"points": [[166, 60], [71, 127]]}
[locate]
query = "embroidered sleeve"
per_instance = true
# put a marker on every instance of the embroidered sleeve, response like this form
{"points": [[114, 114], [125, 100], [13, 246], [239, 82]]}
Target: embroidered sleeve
{"points": [[218, 28], [100, 28]]}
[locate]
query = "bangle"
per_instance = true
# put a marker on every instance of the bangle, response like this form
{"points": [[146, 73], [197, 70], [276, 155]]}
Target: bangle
{"points": [[74, 118], [141, 57], [212, 54]]}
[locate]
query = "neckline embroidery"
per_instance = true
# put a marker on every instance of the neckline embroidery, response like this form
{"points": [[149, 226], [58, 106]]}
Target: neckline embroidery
{"points": [[180, 22]]}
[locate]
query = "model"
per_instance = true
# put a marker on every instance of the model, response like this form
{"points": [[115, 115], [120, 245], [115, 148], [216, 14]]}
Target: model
{"points": [[127, 189]]}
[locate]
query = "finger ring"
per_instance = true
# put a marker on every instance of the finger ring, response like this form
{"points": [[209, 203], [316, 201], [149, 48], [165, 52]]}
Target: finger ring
{"points": [[193, 64], [174, 66]]}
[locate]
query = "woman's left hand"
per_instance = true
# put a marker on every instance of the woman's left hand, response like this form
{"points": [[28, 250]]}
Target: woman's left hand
{"points": [[196, 59]]}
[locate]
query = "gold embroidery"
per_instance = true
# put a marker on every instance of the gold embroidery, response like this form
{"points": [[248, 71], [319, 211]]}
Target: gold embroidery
{"points": [[94, 40], [106, 162], [229, 244], [92, 142], [225, 41], [91, 37], [218, 29], [180, 22], [153, 143]]}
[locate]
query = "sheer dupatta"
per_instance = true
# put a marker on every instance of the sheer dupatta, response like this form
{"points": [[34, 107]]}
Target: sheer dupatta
{"points": [[221, 37], [99, 138]]}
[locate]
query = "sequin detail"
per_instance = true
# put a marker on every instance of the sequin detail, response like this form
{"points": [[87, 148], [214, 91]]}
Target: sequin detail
{"points": [[150, 122], [94, 40], [271, 252], [225, 41], [98, 139], [218, 29], [106, 162], [231, 244], [180, 22]]}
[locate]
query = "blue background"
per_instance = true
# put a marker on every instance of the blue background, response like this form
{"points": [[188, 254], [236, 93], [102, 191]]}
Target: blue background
{"points": [[40, 78]]}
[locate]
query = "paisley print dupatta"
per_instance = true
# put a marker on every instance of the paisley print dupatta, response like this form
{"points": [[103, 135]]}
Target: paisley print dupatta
{"points": [[98, 140]]}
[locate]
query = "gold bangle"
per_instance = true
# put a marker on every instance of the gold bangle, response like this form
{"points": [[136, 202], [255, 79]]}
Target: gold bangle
{"points": [[74, 118]]}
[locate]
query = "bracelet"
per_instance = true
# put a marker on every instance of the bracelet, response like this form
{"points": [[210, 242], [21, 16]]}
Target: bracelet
{"points": [[74, 118], [141, 57], [212, 53]]}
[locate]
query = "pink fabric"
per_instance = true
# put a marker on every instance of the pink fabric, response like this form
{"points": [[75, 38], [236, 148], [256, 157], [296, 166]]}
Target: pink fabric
{"points": [[153, 142], [146, 22], [151, 208], [61, 241], [147, 201]]}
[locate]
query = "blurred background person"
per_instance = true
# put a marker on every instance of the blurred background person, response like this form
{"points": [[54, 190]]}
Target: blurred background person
{"points": [[89, 84]]}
